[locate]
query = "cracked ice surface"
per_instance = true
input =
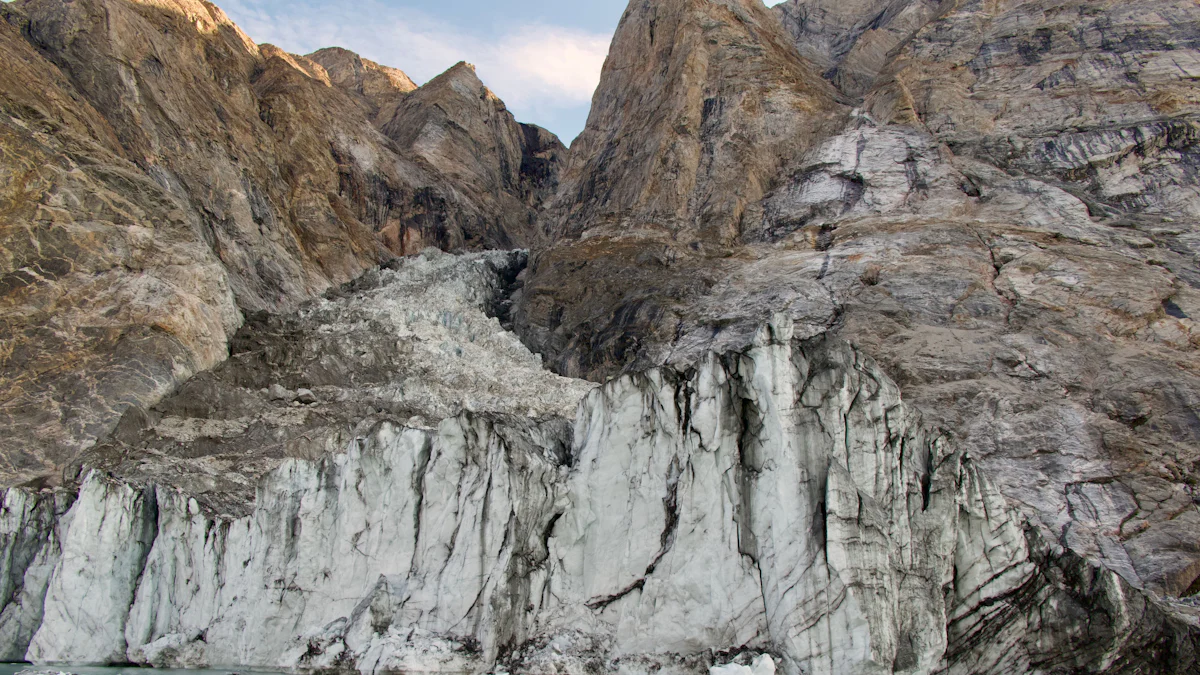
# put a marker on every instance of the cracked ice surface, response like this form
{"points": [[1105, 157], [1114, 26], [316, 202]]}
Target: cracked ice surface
{"points": [[781, 500]]}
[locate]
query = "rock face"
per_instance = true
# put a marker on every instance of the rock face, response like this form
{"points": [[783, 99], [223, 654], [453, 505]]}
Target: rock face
{"points": [[775, 222], [717, 100], [464, 131], [162, 174], [852, 40], [1002, 213], [1097, 99], [378, 87]]}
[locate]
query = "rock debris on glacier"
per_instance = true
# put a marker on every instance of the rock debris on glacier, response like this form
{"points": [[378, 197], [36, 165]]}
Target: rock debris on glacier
{"points": [[414, 343]]}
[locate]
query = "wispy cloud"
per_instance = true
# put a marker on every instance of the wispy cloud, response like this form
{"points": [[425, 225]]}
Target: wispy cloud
{"points": [[547, 63], [546, 74]]}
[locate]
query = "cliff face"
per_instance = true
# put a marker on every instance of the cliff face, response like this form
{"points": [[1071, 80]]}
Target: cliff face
{"points": [[163, 173], [851, 41], [717, 99], [893, 303], [700, 107], [464, 132], [1004, 216]]}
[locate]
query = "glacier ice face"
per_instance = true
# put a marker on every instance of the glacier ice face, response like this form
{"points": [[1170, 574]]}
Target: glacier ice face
{"points": [[29, 549], [781, 500]]}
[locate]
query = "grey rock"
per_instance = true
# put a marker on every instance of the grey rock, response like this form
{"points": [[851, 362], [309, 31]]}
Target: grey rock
{"points": [[1018, 262], [853, 40]]}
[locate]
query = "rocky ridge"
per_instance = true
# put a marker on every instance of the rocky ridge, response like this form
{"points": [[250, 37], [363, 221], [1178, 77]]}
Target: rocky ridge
{"points": [[164, 174]]}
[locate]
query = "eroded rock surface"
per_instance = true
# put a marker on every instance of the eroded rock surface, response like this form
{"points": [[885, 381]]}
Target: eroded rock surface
{"points": [[162, 174], [700, 106], [1000, 212]]}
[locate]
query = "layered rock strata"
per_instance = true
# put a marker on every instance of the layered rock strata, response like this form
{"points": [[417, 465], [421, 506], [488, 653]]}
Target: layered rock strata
{"points": [[162, 174], [1014, 247]]}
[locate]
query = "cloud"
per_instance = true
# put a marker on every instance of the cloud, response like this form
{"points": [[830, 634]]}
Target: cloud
{"points": [[547, 63], [543, 72]]}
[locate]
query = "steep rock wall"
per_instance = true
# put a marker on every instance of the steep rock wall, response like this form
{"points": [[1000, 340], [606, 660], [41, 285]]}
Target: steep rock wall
{"points": [[1015, 247], [162, 174]]}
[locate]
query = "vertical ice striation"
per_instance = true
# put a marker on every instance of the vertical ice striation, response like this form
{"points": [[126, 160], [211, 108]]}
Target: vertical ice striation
{"points": [[779, 500]]}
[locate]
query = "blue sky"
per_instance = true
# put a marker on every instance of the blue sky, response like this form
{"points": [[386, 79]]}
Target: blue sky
{"points": [[543, 57]]}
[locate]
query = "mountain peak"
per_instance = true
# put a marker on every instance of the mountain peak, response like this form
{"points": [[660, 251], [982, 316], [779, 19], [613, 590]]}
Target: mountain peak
{"points": [[376, 83], [698, 105]]}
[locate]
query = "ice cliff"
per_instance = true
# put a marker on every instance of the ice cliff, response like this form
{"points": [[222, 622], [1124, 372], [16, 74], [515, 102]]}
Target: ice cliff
{"points": [[782, 500]]}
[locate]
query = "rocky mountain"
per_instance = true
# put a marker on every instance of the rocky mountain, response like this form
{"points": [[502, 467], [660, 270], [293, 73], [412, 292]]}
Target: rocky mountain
{"points": [[163, 174], [379, 88], [854, 337]]}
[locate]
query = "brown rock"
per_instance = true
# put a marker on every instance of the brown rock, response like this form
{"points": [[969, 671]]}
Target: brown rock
{"points": [[466, 134], [699, 107], [108, 294], [378, 87], [162, 173]]}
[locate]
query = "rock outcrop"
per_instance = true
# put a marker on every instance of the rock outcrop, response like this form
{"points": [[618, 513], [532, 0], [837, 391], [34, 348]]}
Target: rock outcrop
{"points": [[1014, 247], [851, 41], [378, 87], [1095, 98], [700, 107], [463, 130], [162, 174]]}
